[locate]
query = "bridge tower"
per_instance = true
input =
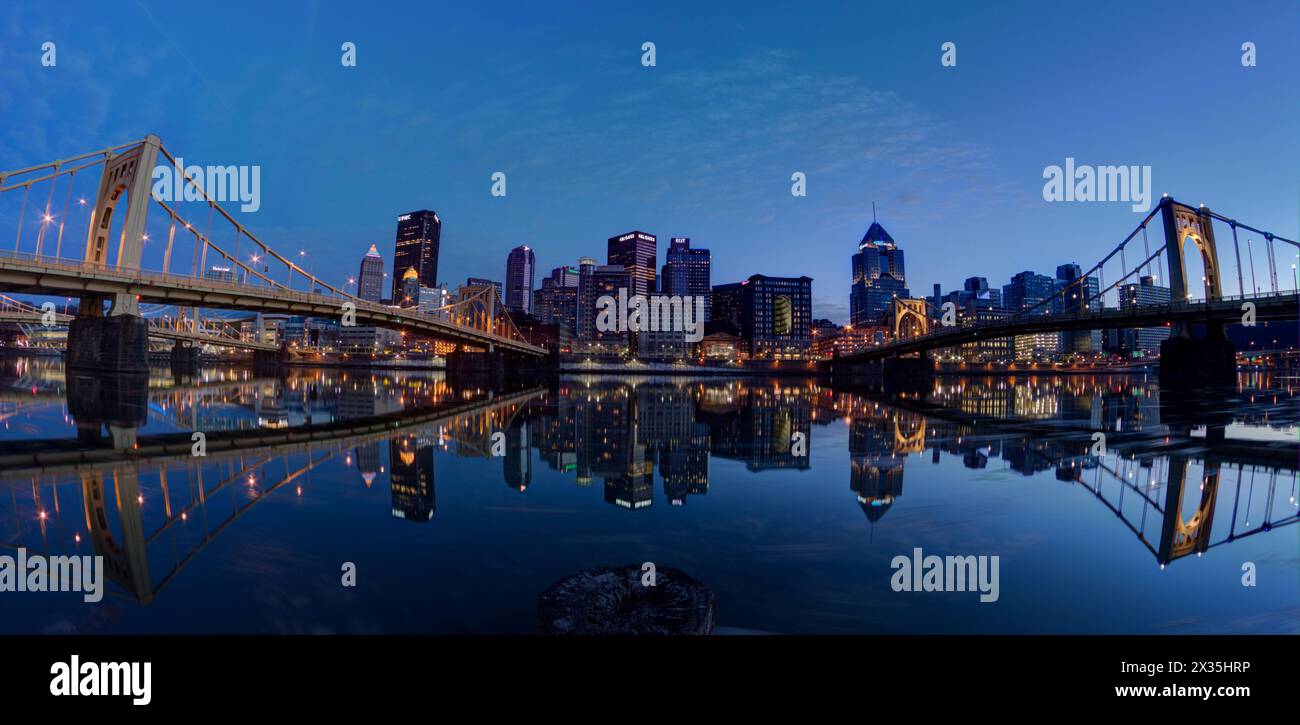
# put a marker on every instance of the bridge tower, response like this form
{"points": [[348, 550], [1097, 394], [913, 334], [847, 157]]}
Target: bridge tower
{"points": [[1178, 536], [908, 318], [1187, 361], [1183, 224], [119, 341], [125, 562]]}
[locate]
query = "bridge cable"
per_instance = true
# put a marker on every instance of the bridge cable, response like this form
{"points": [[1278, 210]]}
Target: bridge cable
{"points": [[45, 220], [1250, 251], [63, 218], [22, 213]]}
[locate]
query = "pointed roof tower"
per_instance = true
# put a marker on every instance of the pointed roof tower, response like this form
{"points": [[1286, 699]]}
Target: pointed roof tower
{"points": [[876, 234]]}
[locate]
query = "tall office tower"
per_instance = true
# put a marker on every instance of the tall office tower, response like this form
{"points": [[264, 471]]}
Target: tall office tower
{"points": [[481, 282], [370, 281], [410, 475], [635, 252], [557, 300], [879, 276], [1028, 291], [599, 281], [565, 276], [418, 237], [772, 314], [726, 303], [520, 267], [1076, 292], [1142, 341], [408, 293], [367, 456], [687, 272]]}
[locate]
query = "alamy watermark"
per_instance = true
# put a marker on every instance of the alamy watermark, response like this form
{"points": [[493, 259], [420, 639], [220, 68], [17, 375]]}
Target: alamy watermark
{"points": [[219, 183], [1098, 183], [920, 573], [37, 573], [657, 313], [94, 679]]}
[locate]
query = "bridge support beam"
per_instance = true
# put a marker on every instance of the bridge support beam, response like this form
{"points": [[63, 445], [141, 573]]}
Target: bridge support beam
{"points": [[113, 343]]}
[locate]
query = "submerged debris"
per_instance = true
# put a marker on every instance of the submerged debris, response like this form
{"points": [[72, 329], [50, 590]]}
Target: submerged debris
{"points": [[613, 600]]}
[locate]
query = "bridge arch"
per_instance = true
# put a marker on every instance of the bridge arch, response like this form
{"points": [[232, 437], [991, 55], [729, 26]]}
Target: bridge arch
{"points": [[1183, 224], [128, 173], [908, 318]]}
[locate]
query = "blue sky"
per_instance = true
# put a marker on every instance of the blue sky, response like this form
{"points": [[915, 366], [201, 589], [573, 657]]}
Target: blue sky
{"points": [[701, 145]]}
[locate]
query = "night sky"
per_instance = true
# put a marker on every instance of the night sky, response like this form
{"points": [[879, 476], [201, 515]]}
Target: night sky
{"points": [[702, 145]]}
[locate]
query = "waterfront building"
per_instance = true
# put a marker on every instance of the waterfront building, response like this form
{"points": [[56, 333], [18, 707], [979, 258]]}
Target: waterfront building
{"points": [[1026, 294], [1077, 293], [598, 281], [1142, 342], [773, 315]]}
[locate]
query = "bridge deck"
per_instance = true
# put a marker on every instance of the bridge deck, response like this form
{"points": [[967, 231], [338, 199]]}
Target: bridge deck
{"points": [[26, 274]]}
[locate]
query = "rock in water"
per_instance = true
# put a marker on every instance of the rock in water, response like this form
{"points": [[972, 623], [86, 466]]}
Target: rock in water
{"points": [[612, 600]]}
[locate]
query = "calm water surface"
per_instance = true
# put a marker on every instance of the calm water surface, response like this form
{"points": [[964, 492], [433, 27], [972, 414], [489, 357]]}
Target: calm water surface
{"points": [[453, 528]]}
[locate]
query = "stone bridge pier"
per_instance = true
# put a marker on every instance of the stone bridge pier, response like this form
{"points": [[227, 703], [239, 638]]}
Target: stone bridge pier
{"points": [[116, 342], [118, 401], [186, 356], [271, 361]]}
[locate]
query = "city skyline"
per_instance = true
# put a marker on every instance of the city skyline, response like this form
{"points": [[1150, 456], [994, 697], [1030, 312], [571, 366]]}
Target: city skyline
{"points": [[943, 151]]}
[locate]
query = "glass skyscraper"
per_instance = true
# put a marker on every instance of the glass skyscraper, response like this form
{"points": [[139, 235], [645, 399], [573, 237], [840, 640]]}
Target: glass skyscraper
{"points": [[419, 235], [879, 276], [686, 271], [370, 280], [635, 252], [521, 267]]}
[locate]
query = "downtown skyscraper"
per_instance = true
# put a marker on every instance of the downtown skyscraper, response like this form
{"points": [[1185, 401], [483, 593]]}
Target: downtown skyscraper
{"points": [[521, 266], [370, 280], [419, 235], [1077, 293], [687, 271], [878, 276], [635, 252]]}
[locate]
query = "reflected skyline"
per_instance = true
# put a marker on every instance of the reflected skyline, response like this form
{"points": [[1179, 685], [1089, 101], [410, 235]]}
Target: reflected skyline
{"points": [[1183, 477]]}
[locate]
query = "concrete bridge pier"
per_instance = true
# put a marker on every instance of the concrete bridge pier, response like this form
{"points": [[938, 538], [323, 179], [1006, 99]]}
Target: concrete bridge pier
{"points": [[908, 374], [116, 343], [271, 361], [117, 400], [1188, 362], [489, 366], [186, 357]]}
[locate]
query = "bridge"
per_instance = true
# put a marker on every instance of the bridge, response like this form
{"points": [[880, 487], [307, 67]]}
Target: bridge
{"points": [[112, 485], [916, 327], [181, 328], [166, 263]]}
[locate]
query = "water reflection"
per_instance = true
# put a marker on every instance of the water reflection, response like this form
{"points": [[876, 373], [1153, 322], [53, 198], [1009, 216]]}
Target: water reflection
{"points": [[113, 474]]}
